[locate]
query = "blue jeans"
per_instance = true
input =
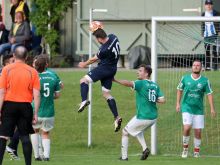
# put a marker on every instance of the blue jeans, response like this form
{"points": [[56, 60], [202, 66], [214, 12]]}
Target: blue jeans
{"points": [[8, 46]]}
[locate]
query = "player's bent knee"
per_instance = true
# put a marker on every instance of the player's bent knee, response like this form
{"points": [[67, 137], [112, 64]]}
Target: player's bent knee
{"points": [[106, 93], [86, 79], [45, 134], [83, 80], [107, 96], [124, 132]]}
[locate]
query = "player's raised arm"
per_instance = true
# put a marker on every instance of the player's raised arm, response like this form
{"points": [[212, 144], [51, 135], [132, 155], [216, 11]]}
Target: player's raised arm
{"points": [[125, 83], [88, 62]]}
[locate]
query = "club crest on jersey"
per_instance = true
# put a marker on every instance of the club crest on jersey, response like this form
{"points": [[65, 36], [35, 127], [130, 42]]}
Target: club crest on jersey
{"points": [[199, 85]]}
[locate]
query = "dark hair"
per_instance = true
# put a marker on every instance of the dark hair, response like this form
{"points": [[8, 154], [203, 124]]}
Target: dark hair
{"points": [[147, 68], [21, 53], [6, 59], [40, 64], [100, 33]]}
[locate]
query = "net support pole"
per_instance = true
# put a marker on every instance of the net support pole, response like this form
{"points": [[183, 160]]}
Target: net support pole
{"points": [[154, 79], [90, 85]]}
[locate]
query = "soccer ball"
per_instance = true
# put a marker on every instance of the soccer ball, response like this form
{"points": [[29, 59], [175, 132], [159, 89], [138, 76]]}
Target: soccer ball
{"points": [[95, 25]]}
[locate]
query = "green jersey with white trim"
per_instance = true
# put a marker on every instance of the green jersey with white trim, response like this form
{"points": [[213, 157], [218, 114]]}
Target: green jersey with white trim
{"points": [[49, 85], [53, 72], [147, 94], [193, 94]]}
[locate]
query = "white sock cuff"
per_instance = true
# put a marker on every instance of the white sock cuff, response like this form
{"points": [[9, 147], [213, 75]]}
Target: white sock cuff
{"points": [[46, 146], [197, 143], [35, 142], [186, 140]]}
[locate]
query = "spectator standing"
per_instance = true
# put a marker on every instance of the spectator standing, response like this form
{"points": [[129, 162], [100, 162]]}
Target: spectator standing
{"points": [[210, 32]]}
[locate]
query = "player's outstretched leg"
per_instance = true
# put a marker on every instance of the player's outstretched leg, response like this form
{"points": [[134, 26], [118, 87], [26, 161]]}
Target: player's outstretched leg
{"points": [[113, 107], [84, 89]]}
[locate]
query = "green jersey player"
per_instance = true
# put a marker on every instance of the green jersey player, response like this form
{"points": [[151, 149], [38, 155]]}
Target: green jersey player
{"points": [[148, 94], [50, 88], [190, 92]]}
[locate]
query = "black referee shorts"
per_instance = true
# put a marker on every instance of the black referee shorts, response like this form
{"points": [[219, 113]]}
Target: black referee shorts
{"points": [[16, 114]]}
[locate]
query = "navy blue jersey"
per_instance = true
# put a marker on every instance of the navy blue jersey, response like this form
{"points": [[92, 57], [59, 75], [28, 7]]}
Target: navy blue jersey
{"points": [[109, 52]]}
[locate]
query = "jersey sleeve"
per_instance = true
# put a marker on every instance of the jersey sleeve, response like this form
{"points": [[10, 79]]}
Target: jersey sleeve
{"points": [[55, 74], [57, 86], [58, 78], [159, 93], [137, 85], [208, 89], [181, 84]]}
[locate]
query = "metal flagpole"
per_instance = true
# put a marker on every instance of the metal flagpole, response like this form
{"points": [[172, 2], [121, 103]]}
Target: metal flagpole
{"points": [[91, 10], [90, 85]]}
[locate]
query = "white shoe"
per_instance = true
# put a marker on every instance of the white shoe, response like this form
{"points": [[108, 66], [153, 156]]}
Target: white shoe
{"points": [[196, 155], [11, 153], [185, 153], [83, 105]]}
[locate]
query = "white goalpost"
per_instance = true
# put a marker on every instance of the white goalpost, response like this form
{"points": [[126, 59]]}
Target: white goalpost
{"points": [[175, 43]]}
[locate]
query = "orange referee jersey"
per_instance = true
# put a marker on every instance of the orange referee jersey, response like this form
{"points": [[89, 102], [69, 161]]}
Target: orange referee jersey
{"points": [[18, 80]]}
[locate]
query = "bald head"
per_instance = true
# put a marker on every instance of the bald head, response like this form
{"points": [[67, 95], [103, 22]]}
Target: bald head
{"points": [[20, 53]]}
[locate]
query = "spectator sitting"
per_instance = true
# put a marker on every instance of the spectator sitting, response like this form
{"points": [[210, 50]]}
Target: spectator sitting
{"points": [[19, 5], [8, 59], [19, 34], [3, 34]]}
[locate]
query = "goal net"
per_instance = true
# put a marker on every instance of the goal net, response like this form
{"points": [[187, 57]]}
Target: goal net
{"points": [[176, 42]]}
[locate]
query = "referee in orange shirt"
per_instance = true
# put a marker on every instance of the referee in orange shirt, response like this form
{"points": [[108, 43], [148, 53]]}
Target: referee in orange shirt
{"points": [[19, 84]]}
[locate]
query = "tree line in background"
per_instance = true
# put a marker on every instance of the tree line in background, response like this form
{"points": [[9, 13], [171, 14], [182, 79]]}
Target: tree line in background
{"points": [[49, 12]]}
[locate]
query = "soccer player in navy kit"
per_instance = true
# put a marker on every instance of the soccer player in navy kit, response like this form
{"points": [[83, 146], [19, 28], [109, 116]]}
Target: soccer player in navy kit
{"points": [[107, 67]]}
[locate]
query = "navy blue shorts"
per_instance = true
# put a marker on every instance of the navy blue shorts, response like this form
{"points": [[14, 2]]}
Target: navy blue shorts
{"points": [[103, 73]]}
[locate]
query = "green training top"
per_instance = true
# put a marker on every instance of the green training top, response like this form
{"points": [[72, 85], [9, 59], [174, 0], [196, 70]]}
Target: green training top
{"points": [[193, 94]]}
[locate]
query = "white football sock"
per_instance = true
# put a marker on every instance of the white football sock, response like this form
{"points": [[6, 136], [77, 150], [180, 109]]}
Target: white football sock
{"points": [[197, 143], [124, 145], [40, 146], [34, 141], [186, 141], [141, 139], [46, 146]]}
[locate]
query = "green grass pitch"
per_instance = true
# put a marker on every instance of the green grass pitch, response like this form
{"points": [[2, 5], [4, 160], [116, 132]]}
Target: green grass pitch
{"points": [[69, 137]]}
